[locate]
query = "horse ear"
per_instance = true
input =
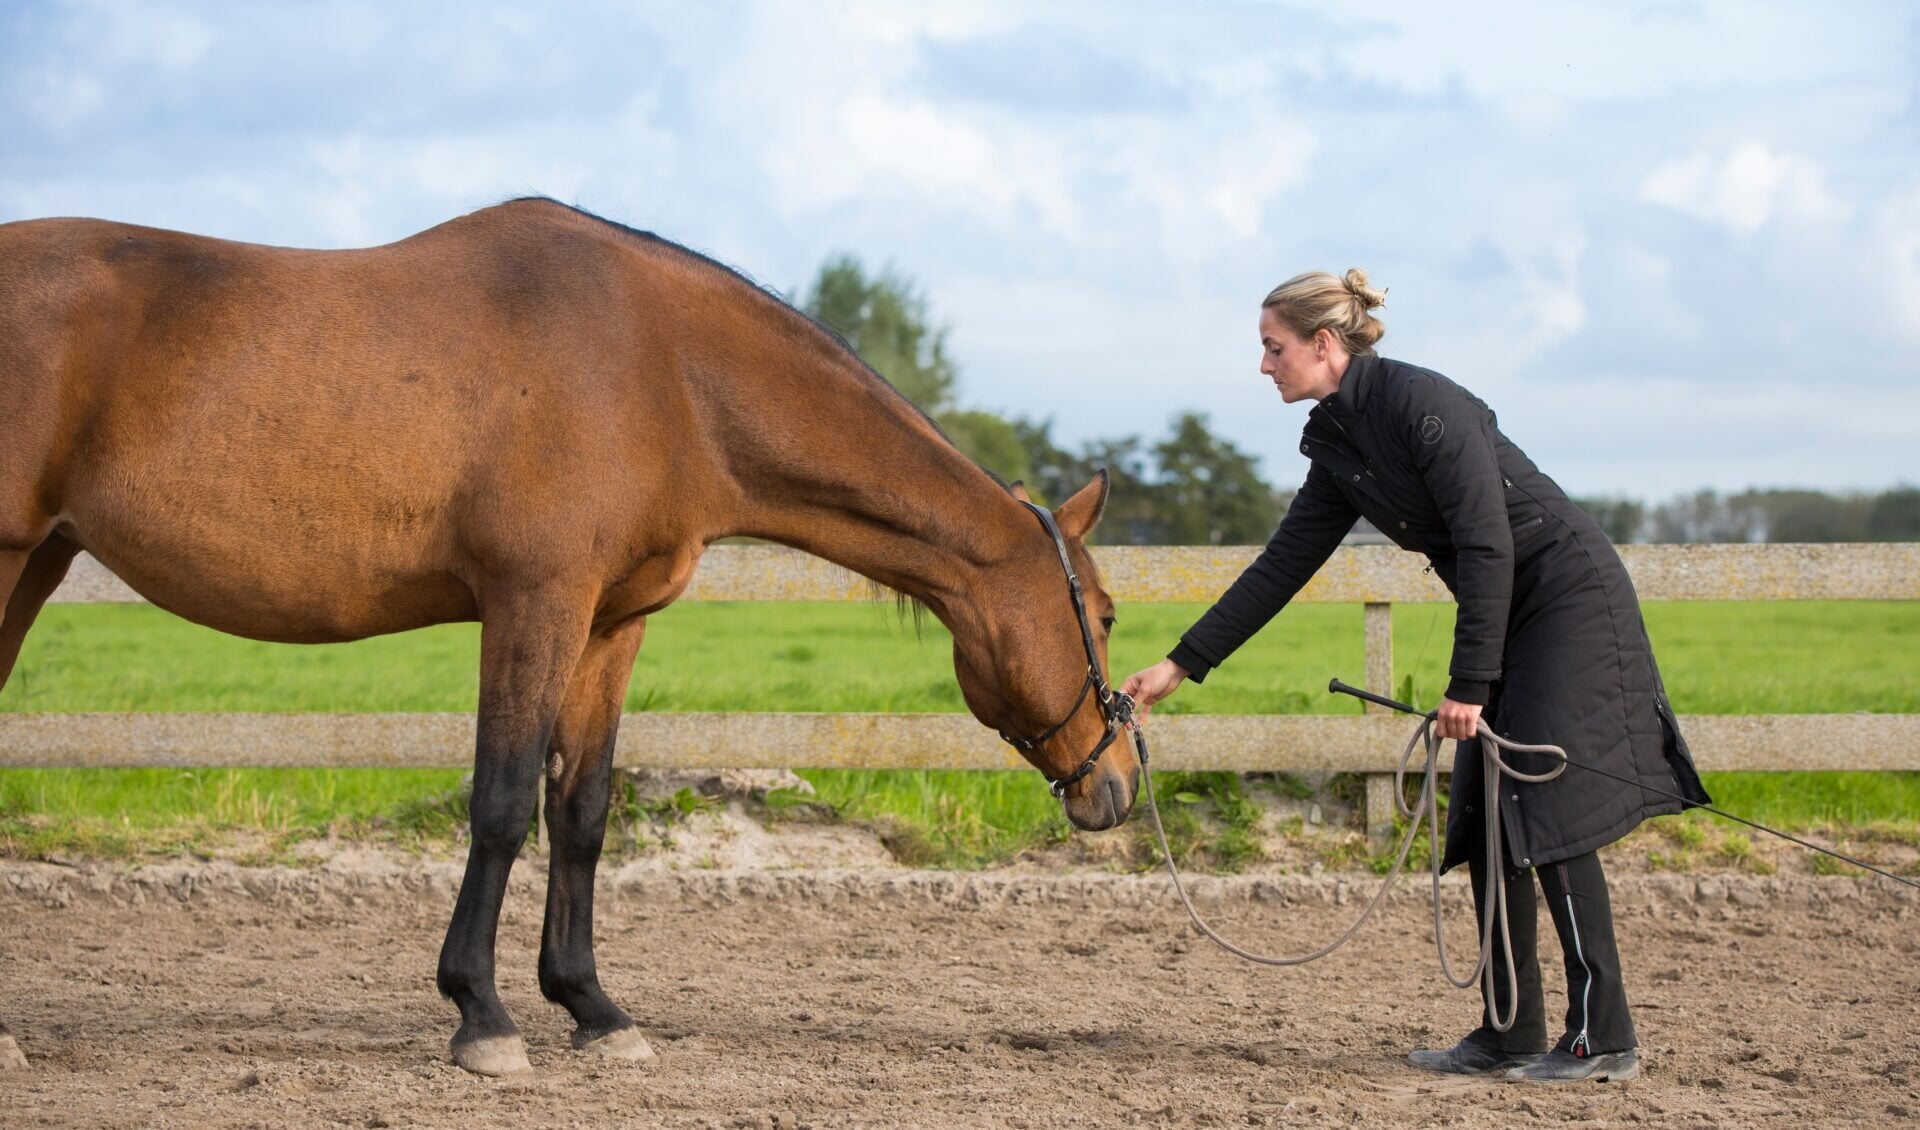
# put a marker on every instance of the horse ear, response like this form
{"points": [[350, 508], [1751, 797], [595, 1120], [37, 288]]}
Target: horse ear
{"points": [[1018, 488], [1078, 515]]}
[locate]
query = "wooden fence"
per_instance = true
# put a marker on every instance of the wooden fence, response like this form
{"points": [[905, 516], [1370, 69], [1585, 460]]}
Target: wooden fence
{"points": [[1374, 576]]}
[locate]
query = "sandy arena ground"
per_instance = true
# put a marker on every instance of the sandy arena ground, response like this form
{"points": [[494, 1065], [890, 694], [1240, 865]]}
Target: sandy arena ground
{"points": [[211, 995]]}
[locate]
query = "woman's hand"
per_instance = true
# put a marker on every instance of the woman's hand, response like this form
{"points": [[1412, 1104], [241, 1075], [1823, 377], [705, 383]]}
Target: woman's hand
{"points": [[1457, 720], [1155, 683]]}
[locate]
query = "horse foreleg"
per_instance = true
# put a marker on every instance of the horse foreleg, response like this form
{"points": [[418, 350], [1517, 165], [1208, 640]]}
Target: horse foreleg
{"points": [[529, 644], [26, 581], [579, 775]]}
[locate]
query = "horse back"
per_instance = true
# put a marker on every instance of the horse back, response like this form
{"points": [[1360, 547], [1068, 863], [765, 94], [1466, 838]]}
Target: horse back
{"points": [[296, 444]]}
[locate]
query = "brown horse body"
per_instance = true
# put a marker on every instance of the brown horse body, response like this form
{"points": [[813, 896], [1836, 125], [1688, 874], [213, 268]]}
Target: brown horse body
{"points": [[527, 416]]}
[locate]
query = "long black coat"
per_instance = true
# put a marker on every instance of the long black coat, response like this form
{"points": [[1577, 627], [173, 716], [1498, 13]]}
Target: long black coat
{"points": [[1549, 635]]}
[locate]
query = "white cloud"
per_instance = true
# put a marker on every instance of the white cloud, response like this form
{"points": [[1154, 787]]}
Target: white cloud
{"points": [[165, 36], [1570, 204], [1595, 50], [1898, 244], [60, 98], [871, 143], [1744, 189]]}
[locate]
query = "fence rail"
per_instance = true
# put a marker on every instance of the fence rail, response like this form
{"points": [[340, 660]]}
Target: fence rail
{"points": [[1242, 742], [1362, 574], [1375, 576]]}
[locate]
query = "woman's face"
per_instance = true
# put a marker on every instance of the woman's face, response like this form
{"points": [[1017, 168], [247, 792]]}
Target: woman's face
{"points": [[1298, 369]]}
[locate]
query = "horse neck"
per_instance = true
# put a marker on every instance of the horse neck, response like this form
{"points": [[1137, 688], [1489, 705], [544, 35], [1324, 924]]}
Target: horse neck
{"points": [[845, 468]]}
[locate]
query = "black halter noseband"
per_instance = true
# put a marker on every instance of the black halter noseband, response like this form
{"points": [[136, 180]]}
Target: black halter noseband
{"points": [[1117, 709]]}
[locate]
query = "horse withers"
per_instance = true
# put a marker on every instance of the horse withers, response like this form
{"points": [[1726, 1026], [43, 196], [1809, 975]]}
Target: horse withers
{"points": [[531, 417]]}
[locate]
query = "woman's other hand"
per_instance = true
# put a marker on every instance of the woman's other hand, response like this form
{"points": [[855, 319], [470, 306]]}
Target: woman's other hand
{"points": [[1457, 720], [1155, 683]]}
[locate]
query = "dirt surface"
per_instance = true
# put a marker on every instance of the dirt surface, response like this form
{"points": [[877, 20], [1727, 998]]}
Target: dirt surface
{"points": [[214, 995]]}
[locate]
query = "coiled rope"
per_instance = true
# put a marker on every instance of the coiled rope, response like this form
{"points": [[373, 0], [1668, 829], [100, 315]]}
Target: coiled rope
{"points": [[1493, 771]]}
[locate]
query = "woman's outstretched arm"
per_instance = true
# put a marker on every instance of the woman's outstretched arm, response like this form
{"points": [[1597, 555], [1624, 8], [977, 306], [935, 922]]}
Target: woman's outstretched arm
{"points": [[1309, 533]]}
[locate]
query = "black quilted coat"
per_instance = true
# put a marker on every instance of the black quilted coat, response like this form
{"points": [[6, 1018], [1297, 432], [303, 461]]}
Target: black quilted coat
{"points": [[1549, 636]]}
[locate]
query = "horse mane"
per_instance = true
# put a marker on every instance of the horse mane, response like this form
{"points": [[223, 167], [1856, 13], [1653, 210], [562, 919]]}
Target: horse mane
{"points": [[906, 606]]}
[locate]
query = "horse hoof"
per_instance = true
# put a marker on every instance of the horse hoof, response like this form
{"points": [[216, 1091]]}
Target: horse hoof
{"points": [[11, 1058], [622, 1043], [494, 1056]]}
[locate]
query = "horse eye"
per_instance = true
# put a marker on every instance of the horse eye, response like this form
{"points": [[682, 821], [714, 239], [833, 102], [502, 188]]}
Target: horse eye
{"points": [[1107, 623]]}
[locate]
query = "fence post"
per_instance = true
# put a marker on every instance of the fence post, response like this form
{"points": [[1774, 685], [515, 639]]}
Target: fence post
{"points": [[1379, 631]]}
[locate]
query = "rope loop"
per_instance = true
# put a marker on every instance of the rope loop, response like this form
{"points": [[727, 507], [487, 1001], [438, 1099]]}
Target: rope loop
{"points": [[1494, 770]]}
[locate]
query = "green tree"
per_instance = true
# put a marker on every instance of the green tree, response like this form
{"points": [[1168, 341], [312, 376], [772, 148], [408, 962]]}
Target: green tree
{"points": [[885, 319], [1209, 491], [1706, 517], [1053, 472], [1895, 515], [1623, 519], [1805, 515], [989, 441], [1132, 516]]}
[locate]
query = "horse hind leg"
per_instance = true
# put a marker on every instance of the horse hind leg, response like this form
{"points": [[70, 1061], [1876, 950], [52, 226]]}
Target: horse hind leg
{"points": [[529, 645], [579, 777], [27, 579]]}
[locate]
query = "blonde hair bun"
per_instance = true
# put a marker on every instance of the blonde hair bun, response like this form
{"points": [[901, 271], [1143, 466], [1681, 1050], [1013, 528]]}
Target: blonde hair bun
{"points": [[1357, 285], [1317, 300]]}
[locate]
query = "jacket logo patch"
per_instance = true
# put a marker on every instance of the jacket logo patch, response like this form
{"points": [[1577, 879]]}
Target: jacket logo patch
{"points": [[1431, 429]]}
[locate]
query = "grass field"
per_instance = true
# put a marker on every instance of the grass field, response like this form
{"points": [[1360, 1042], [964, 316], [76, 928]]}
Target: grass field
{"points": [[1717, 658]]}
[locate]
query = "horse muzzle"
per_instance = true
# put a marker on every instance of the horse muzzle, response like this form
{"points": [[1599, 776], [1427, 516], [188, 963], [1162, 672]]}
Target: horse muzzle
{"points": [[1102, 800]]}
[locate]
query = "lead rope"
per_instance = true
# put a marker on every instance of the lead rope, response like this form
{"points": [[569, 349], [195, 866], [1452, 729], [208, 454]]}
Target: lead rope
{"points": [[1493, 770]]}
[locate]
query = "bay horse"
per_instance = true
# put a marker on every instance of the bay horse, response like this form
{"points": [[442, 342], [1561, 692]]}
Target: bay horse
{"points": [[528, 416]]}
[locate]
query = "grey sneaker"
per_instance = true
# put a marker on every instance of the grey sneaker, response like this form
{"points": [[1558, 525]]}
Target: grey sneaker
{"points": [[1468, 1058], [1564, 1067]]}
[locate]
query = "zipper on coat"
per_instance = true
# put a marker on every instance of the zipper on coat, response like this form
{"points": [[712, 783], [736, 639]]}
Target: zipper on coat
{"points": [[1366, 464]]}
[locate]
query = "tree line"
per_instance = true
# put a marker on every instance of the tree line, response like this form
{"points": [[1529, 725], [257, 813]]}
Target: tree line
{"points": [[1763, 516], [1191, 487]]}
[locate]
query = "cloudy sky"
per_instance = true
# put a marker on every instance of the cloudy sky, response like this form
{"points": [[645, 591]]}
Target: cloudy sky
{"points": [[1676, 245]]}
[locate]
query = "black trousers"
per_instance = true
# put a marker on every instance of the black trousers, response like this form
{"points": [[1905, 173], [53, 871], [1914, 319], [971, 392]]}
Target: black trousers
{"points": [[1576, 891]]}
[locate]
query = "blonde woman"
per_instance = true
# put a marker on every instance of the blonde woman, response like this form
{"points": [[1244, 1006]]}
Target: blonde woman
{"points": [[1548, 643]]}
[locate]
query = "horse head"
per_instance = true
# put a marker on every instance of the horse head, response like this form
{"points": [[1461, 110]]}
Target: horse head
{"points": [[1036, 670]]}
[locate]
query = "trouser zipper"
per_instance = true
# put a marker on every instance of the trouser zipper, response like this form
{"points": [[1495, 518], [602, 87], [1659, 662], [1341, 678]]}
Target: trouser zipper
{"points": [[1580, 1048]]}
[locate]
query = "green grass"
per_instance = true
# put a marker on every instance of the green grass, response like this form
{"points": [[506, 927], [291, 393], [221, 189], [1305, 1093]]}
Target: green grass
{"points": [[1717, 658], [945, 817], [157, 812]]}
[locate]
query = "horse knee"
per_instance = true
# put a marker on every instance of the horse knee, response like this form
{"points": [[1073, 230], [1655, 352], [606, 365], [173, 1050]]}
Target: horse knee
{"points": [[500, 814], [577, 824]]}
